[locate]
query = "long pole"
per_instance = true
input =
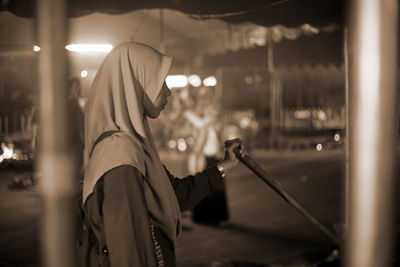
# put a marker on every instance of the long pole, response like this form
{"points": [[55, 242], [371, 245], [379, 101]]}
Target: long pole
{"points": [[56, 164], [373, 56], [276, 186]]}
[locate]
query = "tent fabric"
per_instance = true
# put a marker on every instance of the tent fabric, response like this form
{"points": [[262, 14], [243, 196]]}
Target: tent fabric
{"points": [[248, 36], [261, 12], [323, 48]]}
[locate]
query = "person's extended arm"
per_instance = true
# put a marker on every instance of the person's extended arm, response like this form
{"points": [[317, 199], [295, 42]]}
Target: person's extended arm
{"points": [[194, 188]]}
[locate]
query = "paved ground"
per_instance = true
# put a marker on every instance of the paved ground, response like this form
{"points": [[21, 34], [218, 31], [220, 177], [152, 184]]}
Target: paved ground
{"points": [[262, 230]]}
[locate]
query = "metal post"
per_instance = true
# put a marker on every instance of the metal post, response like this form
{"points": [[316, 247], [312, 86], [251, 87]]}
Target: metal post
{"points": [[56, 164], [347, 132], [272, 88], [372, 152]]}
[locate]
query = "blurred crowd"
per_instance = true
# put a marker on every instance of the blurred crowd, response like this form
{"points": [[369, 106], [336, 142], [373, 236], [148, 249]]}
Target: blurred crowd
{"points": [[195, 123]]}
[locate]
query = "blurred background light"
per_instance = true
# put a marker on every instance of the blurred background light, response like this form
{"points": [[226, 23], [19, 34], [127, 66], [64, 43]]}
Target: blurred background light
{"points": [[172, 144], [245, 122], [248, 79], [302, 114], [182, 146], [194, 80], [36, 48], [321, 115], [89, 47], [176, 81], [8, 151], [336, 137], [84, 73], [319, 147], [210, 81]]}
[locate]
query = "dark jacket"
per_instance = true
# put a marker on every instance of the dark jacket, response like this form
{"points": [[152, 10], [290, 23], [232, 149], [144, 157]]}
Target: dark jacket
{"points": [[92, 246]]}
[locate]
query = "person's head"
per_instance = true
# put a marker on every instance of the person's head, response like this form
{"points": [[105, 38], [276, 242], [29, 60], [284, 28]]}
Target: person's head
{"points": [[128, 87], [153, 110]]}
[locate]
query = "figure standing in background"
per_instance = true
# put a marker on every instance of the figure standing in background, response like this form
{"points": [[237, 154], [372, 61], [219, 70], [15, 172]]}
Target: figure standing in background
{"points": [[77, 120], [213, 209]]}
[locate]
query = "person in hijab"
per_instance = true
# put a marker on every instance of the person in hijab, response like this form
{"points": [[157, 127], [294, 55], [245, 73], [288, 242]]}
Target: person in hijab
{"points": [[132, 204]]}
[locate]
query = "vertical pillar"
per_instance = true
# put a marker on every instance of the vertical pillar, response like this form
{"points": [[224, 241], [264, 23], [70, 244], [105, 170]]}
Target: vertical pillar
{"points": [[347, 132], [373, 136], [272, 88], [55, 159]]}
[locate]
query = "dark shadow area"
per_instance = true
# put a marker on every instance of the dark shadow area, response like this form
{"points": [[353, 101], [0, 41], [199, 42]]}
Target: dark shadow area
{"points": [[287, 236]]}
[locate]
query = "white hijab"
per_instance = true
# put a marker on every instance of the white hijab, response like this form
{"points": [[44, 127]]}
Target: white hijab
{"points": [[131, 72]]}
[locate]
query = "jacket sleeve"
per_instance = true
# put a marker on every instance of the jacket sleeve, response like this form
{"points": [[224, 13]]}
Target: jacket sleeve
{"points": [[192, 189]]}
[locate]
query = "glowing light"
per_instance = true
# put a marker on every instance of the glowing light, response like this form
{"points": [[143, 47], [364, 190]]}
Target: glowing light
{"points": [[176, 81], [7, 151], [249, 79], [82, 102], [1, 158], [89, 48], [194, 80], [210, 81], [336, 137], [319, 147], [302, 114], [182, 146], [322, 115], [84, 73], [245, 122], [171, 144], [36, 48]]}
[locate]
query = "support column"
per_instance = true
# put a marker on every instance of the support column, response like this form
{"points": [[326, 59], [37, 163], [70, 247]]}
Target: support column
{"points": [[347, 133], [55, 159], [373, 136]]}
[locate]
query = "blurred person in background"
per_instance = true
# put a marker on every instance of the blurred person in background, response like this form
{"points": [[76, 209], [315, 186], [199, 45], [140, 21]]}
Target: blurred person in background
{"points": [[77, 120], [207, 151], [202, 128], [132, 204]]}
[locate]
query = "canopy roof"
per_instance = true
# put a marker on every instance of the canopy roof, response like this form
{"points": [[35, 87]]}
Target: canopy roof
{"points": [[261, 12]]}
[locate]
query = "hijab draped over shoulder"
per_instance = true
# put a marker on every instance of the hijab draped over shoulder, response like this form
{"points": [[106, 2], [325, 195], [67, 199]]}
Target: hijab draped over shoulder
{"points": [[130, 73]]}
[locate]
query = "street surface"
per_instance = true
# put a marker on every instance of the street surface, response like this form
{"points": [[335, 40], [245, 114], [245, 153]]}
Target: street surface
{"points": [[263, 229]]}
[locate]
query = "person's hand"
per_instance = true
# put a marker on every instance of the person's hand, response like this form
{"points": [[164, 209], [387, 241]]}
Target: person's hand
{"points": [[230, 160]]}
